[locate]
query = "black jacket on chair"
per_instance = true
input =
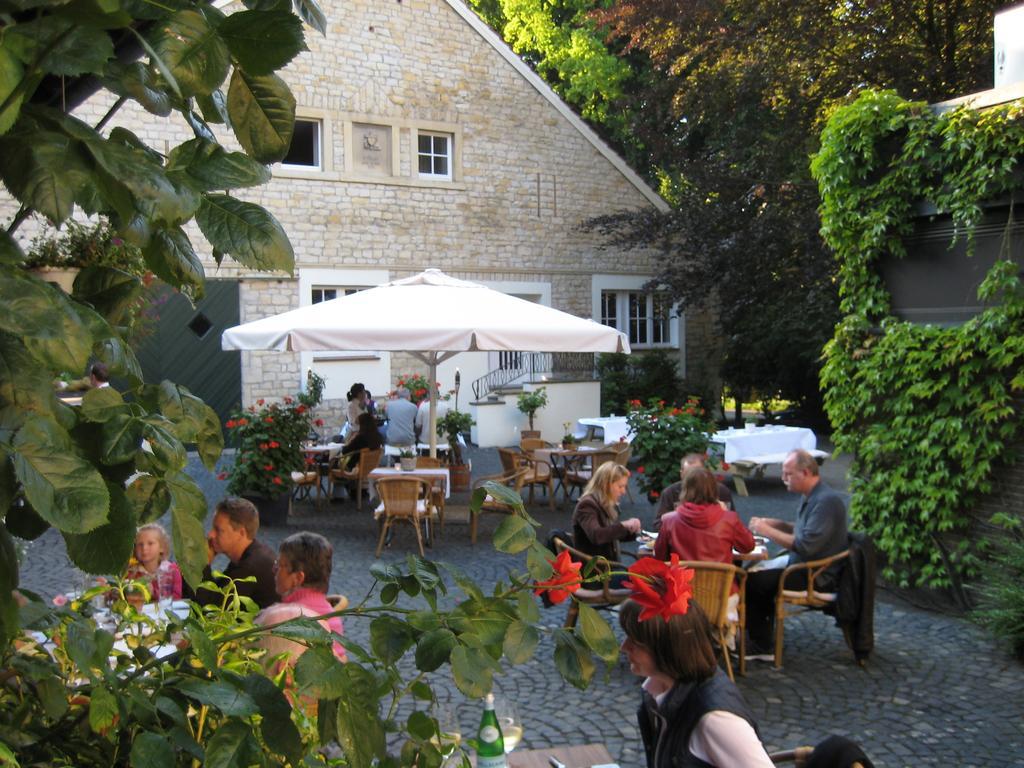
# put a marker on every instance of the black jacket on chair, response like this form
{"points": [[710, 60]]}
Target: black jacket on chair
{"points": [[854, 608]]}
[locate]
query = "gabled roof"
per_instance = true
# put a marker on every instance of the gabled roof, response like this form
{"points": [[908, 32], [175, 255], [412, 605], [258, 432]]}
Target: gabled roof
{"points": [[563, 109]]}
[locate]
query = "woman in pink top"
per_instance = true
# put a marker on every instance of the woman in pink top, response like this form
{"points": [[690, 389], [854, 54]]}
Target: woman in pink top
{"points": [[301, 573]]}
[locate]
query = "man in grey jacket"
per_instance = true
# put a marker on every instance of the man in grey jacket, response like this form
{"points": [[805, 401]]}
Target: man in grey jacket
{"points": [[820, 531], [401, 420]]}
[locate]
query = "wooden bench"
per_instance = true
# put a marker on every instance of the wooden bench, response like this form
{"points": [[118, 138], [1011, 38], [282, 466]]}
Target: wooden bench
{"points": [[754, 466]]}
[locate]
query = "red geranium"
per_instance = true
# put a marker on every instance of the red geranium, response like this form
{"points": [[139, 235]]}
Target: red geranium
{"points": [[565, 580], [661, 589]]}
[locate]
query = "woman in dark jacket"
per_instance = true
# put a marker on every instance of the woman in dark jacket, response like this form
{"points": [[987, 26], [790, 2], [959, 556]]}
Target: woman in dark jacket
{"points": [[596, 527], [368, 436], [692, 714]]}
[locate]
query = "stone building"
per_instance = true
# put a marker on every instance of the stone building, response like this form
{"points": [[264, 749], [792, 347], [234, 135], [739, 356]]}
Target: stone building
{"points": [[423, 141]]}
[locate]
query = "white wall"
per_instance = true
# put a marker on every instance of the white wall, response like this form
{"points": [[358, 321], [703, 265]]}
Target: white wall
{"points": [[500, 424]]}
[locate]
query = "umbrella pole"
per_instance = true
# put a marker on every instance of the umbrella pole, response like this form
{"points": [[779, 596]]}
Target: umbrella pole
{"points": [[432, 388]]}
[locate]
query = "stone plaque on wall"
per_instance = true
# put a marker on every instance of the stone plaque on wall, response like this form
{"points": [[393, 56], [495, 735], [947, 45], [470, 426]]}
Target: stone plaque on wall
{"points": [[372, 150]]}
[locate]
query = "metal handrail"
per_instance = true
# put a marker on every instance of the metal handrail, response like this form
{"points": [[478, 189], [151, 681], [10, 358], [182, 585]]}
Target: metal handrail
{"points": [[531, 365]]}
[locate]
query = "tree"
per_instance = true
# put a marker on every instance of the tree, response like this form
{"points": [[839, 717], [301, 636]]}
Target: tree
{"points": [[97, 471]]}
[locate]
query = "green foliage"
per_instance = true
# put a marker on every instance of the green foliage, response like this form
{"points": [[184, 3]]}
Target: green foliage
{"points": [[451, 425], [531, 402], [642, 376], [662, 436], [1000, 591], [928, 413]]}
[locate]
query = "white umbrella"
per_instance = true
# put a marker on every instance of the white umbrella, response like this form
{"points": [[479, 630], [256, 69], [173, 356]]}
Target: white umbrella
{"points": [[432, 316]]}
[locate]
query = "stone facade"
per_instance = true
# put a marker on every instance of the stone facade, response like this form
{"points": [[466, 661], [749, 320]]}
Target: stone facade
{"points": [[525, 171]]}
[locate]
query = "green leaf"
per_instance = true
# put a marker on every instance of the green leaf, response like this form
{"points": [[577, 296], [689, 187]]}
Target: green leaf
{"points": [[214, 107], [110, 292], [151, 750], [262, 112], [310, 13], [101, 405], [120, 438], [106, 549], [102, 709], [472, 671], [167, 451], [212, 167], [134, 80], [193, 51], [504, 494], [63, 488], [513, 535], [526, 607], [23, 522], [263, 41], [44, 172], [170, 256], [573, 659], [538, 562], [421, 726], [246, 232], [70, 49], [11, 73], [223, 696], [28, 306], [390, 638], [319, 673], [597, 634], [8, 583], [188, 511], [231, 746], [520, 642], [203, 646], [360, 730], [277, 727], [434, 649]]}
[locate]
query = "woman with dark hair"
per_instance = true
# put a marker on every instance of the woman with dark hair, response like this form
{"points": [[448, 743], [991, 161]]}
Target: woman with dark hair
{"points": [[596, 527], [692, 714], [368, 435], [301, 573], [701, 528], [356, 405]]}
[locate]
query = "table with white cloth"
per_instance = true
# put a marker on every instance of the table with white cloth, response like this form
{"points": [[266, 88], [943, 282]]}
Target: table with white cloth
{"points": [[615, 428], [318, 455], [748, 451]]}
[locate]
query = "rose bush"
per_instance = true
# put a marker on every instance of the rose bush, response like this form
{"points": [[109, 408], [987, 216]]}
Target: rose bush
{"points": [[662, 435], [419, 387]]}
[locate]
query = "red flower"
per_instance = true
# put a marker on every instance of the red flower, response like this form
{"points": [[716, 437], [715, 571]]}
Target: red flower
{"points": [[319, 422], [268, 467], [222, 476], [310, 461], [230, 424], [300, 408], [264, 446], [661, 589], [268, 420], [277, 481], [655, 494], [242, 422], [260, 401], [274, 444], [640, 470], [565, 580]]}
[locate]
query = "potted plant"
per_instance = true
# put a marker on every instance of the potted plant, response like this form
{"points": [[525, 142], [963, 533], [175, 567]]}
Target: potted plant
{"points": [[407, 460], [662, 436], [568, 439], [529, 403], [451, 425], [58, 256], [268, 439]]}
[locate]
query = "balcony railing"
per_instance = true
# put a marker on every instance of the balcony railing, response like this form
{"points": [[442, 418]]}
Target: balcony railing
{"points": [[516, 367]]}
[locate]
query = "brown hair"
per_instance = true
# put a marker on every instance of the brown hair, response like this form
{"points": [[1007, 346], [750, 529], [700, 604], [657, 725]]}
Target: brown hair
{"points": [[161, 534], [699, 486], [600, 486], [693, 460], [680, 647], [368, 428], [803, 460], [241, 512], [312, 554]]}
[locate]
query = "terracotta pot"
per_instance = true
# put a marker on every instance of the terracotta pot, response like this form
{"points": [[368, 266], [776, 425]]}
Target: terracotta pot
{"points": [[273, 510]]}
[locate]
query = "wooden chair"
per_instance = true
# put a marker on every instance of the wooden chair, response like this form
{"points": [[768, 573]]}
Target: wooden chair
{"points": [[513, 480], [304, 482], [402, 499], [530, 444], [539, 471], [369, 460], [577, 475], [436, 494], [600, 597], [712, 586], [802, 599]]}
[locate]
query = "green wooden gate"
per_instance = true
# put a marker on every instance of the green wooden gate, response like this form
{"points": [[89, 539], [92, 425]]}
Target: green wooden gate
{"points": [[185, 345]]}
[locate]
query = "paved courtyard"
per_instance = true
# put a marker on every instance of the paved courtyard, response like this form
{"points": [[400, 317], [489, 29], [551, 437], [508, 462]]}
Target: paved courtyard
{"points": [[937, 691]]}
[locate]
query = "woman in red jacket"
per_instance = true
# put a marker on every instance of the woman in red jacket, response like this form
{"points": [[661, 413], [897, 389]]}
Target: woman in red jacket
{"points": [[701, 528]]}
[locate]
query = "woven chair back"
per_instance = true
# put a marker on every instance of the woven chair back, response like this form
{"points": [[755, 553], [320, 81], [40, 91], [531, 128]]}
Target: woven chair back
{"points": [[369, 460], [427, 462], [712, 584], [509, 460], [400, 494]]}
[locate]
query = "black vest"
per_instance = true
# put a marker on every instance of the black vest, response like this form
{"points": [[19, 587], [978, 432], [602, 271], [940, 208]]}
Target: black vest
{"points": [[666, 729]]}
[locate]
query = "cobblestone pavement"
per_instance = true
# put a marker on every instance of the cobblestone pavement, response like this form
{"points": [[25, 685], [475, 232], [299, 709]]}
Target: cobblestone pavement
{"points": [[937, 691]]}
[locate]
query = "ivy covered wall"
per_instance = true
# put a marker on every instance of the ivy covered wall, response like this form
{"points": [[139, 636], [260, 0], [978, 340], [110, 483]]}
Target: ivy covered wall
{"points": [[931, 415]]}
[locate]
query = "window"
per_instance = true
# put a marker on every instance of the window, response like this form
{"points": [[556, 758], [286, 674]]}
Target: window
{"points": [[434, 151], [643, 317], [326, 294], [304, 151]]}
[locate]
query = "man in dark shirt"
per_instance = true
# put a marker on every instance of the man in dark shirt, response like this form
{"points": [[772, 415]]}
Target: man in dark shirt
{"points": [[820, 531], [669, 498], [235, 523]]}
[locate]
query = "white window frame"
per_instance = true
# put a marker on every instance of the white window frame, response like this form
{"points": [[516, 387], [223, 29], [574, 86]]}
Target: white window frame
{"points": [[341, 280], [622, 286], [319, 146], [449, 156]]}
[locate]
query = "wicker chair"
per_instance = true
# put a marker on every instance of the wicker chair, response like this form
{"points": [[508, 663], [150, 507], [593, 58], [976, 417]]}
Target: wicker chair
{"points": [[436, 494], [513, 480], [577, 475], [600, 597], [802, 599], [304, 483], [530, 444], [539, 471], [369, 460], [402, 499], [712, 586]]}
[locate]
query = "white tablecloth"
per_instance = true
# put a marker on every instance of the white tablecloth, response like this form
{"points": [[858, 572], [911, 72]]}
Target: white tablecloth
{"points": [[430, 475], [615, 427], [742, 444]]}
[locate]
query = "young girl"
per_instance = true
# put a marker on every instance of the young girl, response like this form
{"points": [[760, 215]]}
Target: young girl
{"points": [[152, 546]]}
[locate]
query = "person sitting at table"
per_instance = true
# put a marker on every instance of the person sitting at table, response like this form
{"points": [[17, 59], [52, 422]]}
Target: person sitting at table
{"points": [[423, 418], [691, 712], [669, 498], [302, 574], [235, 523], [152, 548], [700, 528], [401, 420], [596, 527], [356, 405], [367, 437]]}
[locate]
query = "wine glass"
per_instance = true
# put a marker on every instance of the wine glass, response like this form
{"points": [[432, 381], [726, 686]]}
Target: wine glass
{"points": [[509, 722], [450, 733]]}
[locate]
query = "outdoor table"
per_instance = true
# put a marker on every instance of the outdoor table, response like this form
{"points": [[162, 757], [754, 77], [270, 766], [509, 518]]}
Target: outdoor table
{"points": [[646, 539], [561, 461], [320, 454], [748, 444], [583, 756], [615, 428]]}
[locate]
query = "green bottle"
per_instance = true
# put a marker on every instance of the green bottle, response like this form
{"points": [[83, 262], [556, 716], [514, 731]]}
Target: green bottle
{"points": [[490, 746]]}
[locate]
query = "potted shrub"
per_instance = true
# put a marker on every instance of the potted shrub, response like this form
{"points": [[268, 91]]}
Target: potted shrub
{"points": [[451, 425], [568, 439], [58, 256], [529, 403], [406, 460], [662, 435]]}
